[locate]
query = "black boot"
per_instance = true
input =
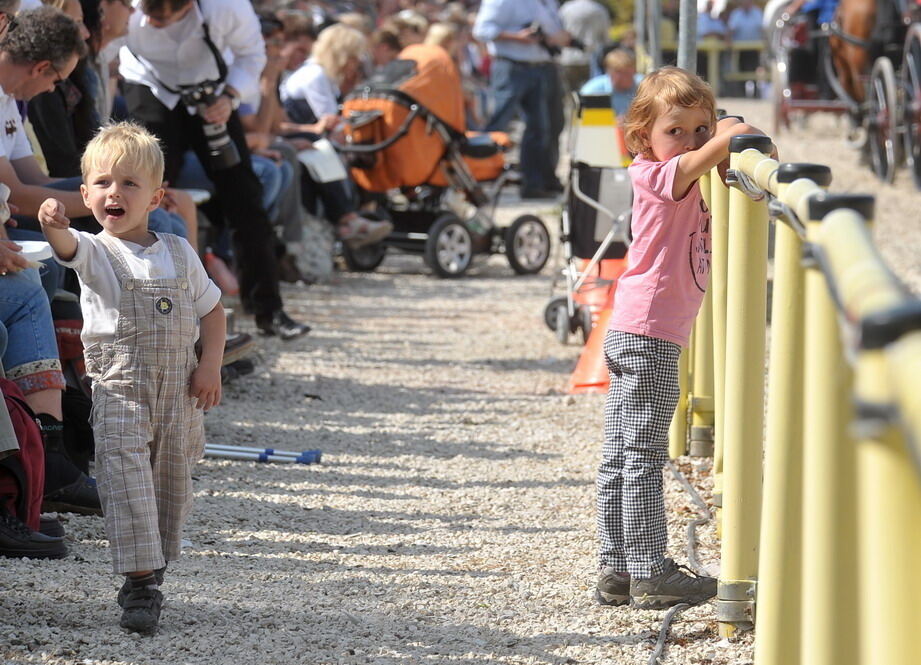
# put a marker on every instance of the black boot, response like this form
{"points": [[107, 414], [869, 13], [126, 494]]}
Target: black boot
{"points": [[67, 489], [17, 540]]}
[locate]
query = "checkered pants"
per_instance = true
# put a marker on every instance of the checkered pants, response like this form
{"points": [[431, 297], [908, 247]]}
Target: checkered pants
{"points": [[641, 399]]}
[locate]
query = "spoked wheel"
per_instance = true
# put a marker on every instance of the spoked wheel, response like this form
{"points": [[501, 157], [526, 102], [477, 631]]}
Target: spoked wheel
{"points": [[527, 245], [550, 311], [911, 108], [449, 246], [882, 119]]}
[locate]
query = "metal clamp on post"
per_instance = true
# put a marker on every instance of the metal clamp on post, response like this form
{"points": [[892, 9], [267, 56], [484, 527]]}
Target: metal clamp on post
{"points": [[781, 212], [736, 604], [738, 179]]}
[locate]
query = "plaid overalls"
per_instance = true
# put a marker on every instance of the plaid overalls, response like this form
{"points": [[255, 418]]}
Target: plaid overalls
{"points": [[148, 431]]}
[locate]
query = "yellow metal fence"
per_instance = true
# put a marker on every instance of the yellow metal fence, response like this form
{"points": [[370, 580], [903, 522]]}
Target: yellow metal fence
{"points": [[819, 475]]}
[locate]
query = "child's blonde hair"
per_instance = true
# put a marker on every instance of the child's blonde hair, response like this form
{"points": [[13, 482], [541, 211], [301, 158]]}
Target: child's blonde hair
{"points": [[659, 91], [128, 144]]}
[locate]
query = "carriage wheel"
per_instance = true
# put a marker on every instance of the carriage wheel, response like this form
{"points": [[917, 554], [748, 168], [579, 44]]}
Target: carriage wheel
{"points": [[882, 119], [911, 109]]}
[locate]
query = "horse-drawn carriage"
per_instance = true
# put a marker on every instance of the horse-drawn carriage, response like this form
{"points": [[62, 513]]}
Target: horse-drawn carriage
{"points": [[864, 62]]}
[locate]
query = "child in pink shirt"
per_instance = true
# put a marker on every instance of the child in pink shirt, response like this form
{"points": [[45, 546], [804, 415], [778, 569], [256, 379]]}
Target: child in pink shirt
{"points": [[671, 127]]}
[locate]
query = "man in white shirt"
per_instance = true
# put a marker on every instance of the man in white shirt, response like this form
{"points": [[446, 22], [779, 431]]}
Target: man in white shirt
{"points": [[174, 46]]}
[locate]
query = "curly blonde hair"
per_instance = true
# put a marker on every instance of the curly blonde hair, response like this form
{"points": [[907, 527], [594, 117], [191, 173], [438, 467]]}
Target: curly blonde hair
{"points": [[335, 46], [659, 91]]}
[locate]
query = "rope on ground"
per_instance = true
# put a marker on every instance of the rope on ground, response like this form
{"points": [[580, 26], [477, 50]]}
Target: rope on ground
{"points": [[693, 560]]}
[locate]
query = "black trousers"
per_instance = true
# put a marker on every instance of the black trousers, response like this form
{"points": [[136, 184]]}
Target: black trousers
{"points": [[237, 188]]}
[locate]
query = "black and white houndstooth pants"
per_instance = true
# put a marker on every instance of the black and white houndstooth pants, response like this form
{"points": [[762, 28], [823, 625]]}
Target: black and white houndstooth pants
{"points": [[641, 399]]}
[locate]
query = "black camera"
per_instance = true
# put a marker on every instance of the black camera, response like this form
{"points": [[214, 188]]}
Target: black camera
{"points": [[222, 150]]}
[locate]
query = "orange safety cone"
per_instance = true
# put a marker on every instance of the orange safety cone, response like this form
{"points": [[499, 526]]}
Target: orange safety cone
{"points": [[591, 373]]}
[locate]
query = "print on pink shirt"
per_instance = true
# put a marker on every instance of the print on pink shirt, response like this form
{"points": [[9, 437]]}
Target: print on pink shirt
{"points": [[699, 250]]}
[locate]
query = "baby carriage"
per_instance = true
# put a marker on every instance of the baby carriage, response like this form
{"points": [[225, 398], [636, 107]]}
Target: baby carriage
{"points": [[595, 222], [409, 153]]}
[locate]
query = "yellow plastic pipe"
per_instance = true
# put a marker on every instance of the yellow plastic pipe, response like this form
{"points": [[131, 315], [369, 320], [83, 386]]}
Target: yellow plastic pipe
{"points": [[719, 235], [746, 304], [777, 639], [829, 584]]}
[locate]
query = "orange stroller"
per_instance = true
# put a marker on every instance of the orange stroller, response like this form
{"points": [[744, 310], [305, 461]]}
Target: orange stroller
{"points": [[409, 152]]}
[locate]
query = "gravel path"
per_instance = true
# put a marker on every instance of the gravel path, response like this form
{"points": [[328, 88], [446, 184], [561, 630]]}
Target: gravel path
{"points": [[450, 522]]}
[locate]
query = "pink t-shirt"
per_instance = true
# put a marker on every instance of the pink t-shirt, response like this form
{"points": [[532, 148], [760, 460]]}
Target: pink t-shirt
{"points": [[669, 261]]}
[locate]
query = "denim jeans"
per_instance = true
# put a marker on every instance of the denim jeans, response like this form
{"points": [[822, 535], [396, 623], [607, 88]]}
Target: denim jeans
{"points": [[521, 87], [31, 355]]}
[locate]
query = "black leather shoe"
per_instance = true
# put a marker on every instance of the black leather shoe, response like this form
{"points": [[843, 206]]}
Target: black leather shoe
{"points": [[282, 325], [80, 496], [17, 540]]}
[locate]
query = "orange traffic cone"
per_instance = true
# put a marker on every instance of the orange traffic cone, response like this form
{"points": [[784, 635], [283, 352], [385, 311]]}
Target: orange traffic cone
{"points": [[591, 373]]}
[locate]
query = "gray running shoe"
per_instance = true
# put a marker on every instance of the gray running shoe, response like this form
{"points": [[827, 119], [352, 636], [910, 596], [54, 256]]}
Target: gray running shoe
{"points": [[676, 584], [613, 588]]}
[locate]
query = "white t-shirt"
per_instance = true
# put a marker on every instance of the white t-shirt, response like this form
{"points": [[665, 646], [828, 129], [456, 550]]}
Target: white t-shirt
{"points": [[100, 290], [13, 141], [311, 83]]}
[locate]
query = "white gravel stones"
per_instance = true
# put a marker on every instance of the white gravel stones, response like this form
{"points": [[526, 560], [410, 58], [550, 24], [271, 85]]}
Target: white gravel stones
{"points": [[452, 519]]}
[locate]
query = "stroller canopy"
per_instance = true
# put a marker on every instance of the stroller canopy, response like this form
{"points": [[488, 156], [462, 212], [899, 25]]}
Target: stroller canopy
{"points": [[426, 74]]}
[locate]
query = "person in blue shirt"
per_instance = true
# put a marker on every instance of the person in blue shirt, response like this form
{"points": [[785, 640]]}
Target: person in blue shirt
{"points": [[518, 35], [619, 80]]}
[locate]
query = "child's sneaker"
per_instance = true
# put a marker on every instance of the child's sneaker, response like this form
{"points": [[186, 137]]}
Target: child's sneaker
{"points": [[141, 613], [126, 587], [613, 588], [676, 584]]}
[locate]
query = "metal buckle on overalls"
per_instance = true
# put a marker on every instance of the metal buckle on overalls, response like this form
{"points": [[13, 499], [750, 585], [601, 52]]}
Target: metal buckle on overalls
{"points": [[184, 284], [129, 284]]}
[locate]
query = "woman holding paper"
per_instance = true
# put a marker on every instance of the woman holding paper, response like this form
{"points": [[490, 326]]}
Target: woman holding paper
{"points": [[311, 99]]}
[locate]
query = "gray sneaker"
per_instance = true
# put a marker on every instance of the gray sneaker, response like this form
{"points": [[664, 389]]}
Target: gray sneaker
{"points": [[613, 588], [676, 584]]}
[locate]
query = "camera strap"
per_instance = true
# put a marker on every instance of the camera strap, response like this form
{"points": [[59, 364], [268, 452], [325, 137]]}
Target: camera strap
{"points": [[218, 58]]}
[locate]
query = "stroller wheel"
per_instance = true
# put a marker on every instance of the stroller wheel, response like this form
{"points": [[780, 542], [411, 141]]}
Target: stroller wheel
{"points": [[527, 245], [562, 327], [449, 246], [363, 259], [585, 322], [550, 311]]}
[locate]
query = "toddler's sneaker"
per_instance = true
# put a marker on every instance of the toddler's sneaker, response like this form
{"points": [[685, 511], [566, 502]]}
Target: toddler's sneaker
{"points": [[613, 588], [141, 608], [159, 574], [676, 584]]}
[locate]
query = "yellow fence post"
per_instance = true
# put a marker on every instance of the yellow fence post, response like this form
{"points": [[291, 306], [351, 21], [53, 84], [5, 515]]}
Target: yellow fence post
{"points": [[777, 639], [719, 236], [830, 573], [700, 438], [678, 431], [889, 481], [743, 400]]}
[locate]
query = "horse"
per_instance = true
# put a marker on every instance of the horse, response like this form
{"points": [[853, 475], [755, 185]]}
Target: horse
{"points": [[862, 31]]}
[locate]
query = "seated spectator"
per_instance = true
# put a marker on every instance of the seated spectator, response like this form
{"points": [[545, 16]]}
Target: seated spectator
{"points": [[619, 80], [299, 36], [745, 26], [360, 22], [709, 27], [311, 100], [385, 47], [31, 361]]}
